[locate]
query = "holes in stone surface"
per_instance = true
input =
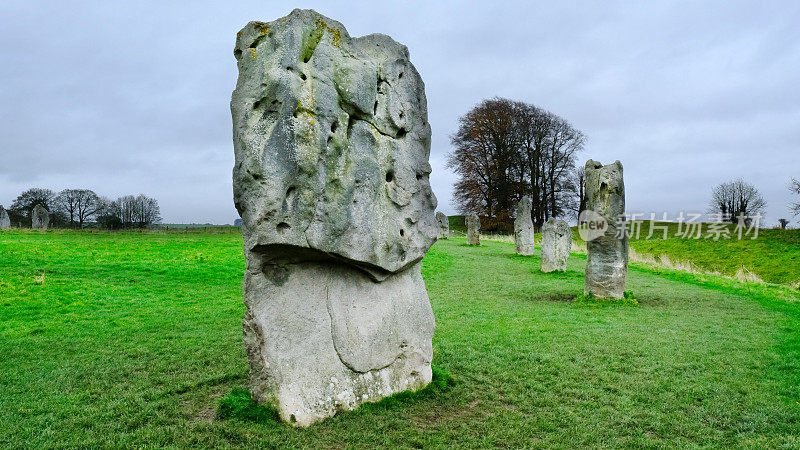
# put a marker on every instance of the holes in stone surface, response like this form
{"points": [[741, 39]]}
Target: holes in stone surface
{"points": [[334, 126], [401, 132], [237, 53], [401, 114], [602, 186], [292, 419], [389, 176], [303, 76], [419, 176], [256, 104], [375, 108], [400, 76], [402, 232], [283, 227]]}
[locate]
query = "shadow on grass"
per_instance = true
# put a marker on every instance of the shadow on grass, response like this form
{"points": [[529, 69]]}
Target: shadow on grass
{"points": [[628, 299], [239, 404]]}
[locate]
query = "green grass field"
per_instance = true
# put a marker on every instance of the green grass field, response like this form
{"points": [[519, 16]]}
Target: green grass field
{"points": [[132, 339], [774, 255]]}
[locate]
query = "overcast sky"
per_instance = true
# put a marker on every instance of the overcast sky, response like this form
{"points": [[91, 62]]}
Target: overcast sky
{"points": [[130, 97]]}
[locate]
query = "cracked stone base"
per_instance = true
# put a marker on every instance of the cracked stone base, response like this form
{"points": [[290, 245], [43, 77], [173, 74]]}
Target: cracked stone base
{"points": [[323, 337]]}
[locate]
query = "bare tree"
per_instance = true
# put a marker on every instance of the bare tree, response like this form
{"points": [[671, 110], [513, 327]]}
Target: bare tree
{"points": [[79, 205], [564, 144], [794, 186], [504, 150], [26, 201], [580, 183], [737, 198], [485, 146], [146, 211], [128, 211]]}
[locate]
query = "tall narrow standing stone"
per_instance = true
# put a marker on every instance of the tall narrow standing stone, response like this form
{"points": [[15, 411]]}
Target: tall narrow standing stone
{"points": [[523, 227], [607, 260], [556, 244], [331, 141], [473, 229], [5, 221], [40, 218], [444, 225]]}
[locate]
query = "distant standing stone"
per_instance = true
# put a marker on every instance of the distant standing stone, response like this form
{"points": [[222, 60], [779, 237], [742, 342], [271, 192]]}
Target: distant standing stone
{"points": [[473, 229], [444, 225], [5, 221], [607, 259], [40, 218], [556, 244], [523, 227]]}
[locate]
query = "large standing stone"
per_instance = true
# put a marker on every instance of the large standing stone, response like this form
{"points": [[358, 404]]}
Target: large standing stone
{"points": [[444, 225], [40, 218], [556, 244], [331, 140], [607, 260], [473, 229], [523, 227], [5, 221]]}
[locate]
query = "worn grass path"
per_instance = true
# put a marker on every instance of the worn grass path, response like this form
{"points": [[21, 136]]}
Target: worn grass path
{"points": [[129, 339]]}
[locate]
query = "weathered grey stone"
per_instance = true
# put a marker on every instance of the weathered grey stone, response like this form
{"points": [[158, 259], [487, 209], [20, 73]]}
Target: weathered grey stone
{"points": [[332, 143], [607, 259], [5, 221], [523, 227], [556, 244], [40, 218], [331, 140], [473, 229], [444, 225]]}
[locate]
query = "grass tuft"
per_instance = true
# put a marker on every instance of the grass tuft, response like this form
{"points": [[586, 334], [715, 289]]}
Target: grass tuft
{"points": [[440, 382], [239, 404], [628, 298]]}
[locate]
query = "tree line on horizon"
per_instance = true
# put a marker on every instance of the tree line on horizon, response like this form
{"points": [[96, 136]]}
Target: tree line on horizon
{"points": [[81, 208], [505, 149]]}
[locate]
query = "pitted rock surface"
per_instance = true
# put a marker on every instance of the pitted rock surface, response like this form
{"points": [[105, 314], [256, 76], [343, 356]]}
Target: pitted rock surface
{"points": [[332, 143], [473, 223], [556, 244], [607, 255], [40, 218], [331, 140], [444, 225], [5, 221], [523, 227]]}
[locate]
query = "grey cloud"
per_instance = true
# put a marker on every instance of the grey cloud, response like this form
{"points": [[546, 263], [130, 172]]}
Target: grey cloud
{"points": [[133, 97]]}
